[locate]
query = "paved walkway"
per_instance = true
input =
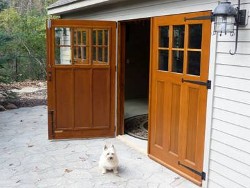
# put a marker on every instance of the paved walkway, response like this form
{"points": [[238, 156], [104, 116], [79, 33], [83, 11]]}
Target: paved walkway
{"points": [[29, 159]]}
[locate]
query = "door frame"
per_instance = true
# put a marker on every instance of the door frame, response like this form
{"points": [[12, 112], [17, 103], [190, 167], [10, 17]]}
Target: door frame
{"points": [[121, 71]]}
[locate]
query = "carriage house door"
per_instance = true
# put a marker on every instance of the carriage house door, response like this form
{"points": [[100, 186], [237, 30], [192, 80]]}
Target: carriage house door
{"points": [[179, 84], [81, 78]]}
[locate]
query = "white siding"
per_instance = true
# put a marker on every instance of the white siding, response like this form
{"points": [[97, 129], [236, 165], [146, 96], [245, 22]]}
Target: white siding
{"points": [[229, 162], [230, 138]]}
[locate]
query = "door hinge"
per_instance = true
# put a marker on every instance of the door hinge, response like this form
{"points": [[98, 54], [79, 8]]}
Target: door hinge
{"points": [[51, 114], [49, 23], [49, 76], [201, 174], [207, 83]]}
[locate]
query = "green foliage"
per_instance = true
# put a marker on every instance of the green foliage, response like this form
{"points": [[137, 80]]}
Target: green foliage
{"points": [[3, 4], [23, 39]]}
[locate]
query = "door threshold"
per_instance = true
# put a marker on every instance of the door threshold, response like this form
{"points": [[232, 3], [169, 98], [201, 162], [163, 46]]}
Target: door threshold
{"points": [[136, 143]]}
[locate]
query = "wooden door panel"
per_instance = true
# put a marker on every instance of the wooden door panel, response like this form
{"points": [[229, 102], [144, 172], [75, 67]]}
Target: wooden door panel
{"points": [[64, 99], [81, 76], [83, 98], [178, 108], [101, 98], [174, 118], [159, 129]]}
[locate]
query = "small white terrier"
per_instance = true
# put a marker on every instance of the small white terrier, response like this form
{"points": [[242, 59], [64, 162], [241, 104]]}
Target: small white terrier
{"points": [[108, 159]]}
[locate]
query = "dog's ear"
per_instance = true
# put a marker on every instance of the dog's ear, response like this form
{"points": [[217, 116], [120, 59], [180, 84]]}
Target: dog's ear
{"points": [[105, 147]]}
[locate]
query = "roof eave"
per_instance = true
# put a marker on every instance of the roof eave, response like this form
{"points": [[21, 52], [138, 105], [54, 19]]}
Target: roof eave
{"points": [[74, 6]]}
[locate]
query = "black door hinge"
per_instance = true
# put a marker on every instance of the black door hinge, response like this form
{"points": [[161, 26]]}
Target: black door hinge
{"points": [[201, 174], [51, 114], [207, 83]]}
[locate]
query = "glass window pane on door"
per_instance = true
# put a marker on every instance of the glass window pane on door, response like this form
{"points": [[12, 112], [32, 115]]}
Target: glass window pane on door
{"points": [[62, 46], [106, 37], [177, 65], [100, 54], [84, 38], [163, 60], [81, 46], [79, 38], [63, 55], [195, 36], [94, 53], [164, 36], [94, 37], [106, 55], [100, 37], [178, 36], [100, 50], [194, 59]]}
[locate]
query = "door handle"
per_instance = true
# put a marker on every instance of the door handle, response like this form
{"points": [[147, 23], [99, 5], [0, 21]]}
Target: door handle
{"points": [[207, 83]]}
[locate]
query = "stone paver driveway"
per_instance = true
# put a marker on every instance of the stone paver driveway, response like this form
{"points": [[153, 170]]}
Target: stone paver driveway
{"points": [[29, 159]]}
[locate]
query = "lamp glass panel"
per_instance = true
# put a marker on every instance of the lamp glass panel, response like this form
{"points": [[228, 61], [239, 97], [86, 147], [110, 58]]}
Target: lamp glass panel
{"points": [[224, 24], [230, 24]]}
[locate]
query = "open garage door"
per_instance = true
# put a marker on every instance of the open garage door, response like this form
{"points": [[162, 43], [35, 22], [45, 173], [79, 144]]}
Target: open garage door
{"points": [[178, 98], [81, 78]]}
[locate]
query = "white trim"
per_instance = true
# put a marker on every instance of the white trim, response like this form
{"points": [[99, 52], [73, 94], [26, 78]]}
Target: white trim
{"points": [[209, 113], [74, 6]]}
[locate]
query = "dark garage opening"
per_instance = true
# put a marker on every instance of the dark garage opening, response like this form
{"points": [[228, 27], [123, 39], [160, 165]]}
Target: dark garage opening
{"points": [[137, 58]]}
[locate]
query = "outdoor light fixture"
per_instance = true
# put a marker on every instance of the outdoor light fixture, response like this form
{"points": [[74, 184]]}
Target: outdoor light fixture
{"points": [[225, 17]]}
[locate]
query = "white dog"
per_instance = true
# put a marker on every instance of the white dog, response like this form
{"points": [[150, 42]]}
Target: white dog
{"points": [[108, 159]]}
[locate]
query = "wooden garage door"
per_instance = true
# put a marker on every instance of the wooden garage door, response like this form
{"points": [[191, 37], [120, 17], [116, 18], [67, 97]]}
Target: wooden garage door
{"points": [[179, 75], [81, 78]]}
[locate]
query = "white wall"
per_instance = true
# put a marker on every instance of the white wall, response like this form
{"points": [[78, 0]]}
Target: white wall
{"points": [[230, 138], [227, 155]]}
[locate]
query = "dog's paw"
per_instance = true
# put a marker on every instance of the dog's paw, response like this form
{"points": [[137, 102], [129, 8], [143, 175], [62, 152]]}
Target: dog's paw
{"points": [[115, 171], [104, 171]]}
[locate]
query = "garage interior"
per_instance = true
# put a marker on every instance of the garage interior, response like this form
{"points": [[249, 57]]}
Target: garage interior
{"points": [[136, 74]]}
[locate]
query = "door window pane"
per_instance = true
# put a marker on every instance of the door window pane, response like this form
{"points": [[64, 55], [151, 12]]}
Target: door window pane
{"points": [[79, 37], [105, 54], [84, 38], [163, 60], [101, 46], [177, 61], [99, 54], [62, 46], [63, 55], [94, 37], [194, 59], [195, 36], [100, 37], [75, 38], [79, 52], [178, 36], [106, 40], [164, 36], [84, 55], [94, 54]]}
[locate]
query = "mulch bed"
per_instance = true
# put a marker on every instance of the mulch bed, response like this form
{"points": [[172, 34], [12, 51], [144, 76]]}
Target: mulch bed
{"points": [[137, 126], [26, 99]]}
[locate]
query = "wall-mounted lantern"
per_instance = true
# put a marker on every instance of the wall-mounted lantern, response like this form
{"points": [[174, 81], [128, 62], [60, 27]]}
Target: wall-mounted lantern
{"points": [[225, 17]]}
